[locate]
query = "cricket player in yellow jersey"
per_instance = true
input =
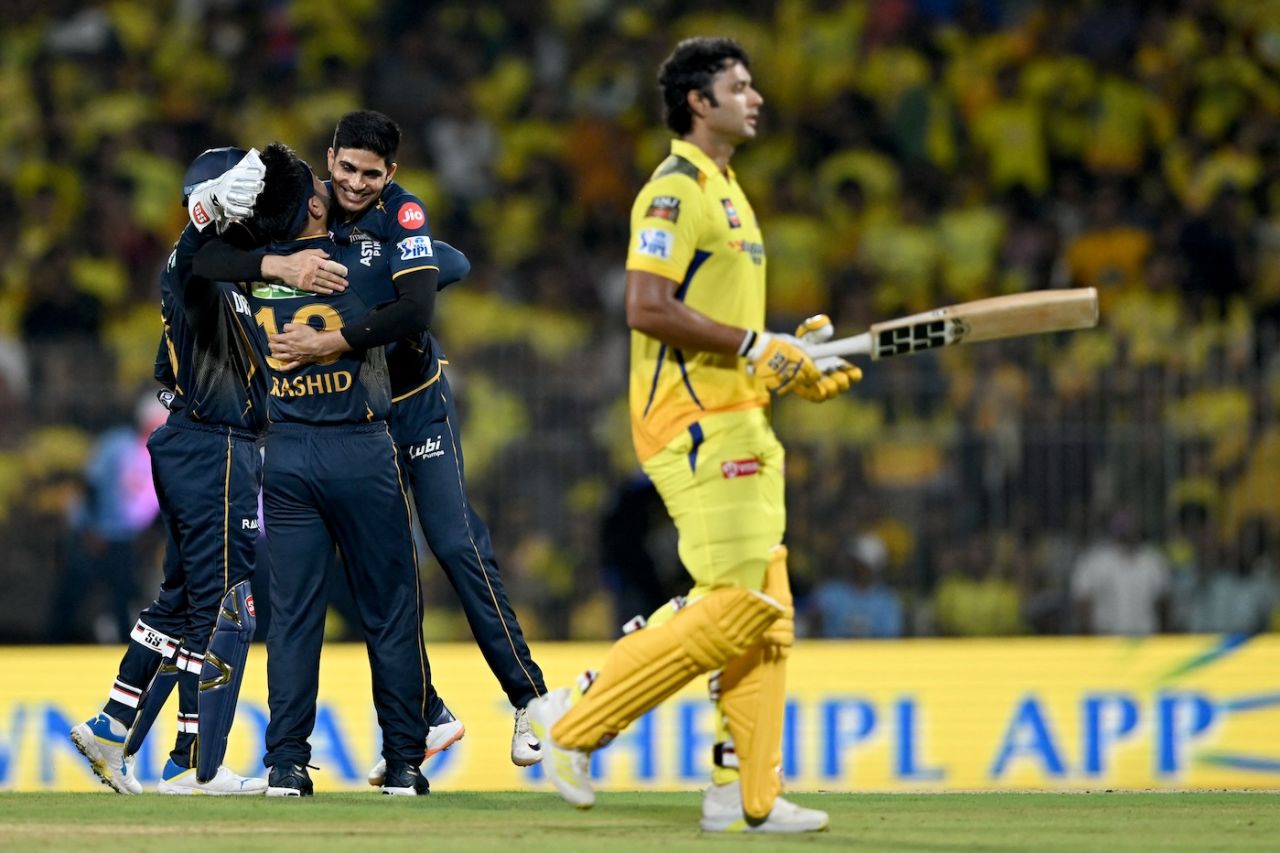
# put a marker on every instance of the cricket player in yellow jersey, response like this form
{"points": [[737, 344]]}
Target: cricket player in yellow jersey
{"points": [[703, 372]]}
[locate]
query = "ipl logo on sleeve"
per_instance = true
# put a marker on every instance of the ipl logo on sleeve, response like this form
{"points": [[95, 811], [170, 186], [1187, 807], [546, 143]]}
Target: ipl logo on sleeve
{"points": [[418, 246], [655, 243]]}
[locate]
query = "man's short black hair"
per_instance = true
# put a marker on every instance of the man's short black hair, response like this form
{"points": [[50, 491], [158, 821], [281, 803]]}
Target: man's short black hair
{"points": [[693, 65], [286, 188], [368, 130]]}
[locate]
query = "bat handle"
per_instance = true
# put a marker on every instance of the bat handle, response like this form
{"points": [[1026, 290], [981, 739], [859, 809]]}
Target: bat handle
{"points": [[855, 345]]}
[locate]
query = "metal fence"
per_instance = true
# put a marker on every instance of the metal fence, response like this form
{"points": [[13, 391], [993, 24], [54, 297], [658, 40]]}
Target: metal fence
{"points": [[996, 462]]}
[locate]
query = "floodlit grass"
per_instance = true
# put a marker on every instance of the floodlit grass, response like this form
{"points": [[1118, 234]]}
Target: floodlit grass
{"points": [[653, 822]]}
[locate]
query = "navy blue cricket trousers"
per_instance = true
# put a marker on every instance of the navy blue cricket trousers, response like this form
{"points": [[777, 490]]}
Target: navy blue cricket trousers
{"points": [[327, 485], [207, 479], [425, 427]]}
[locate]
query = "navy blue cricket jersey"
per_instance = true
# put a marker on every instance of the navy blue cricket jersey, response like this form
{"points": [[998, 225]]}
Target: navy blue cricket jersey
{"points": [[215, 353], [352, 388], [397, 224]]}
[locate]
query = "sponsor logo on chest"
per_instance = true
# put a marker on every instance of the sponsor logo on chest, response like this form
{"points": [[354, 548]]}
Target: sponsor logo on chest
{"points": [[749, 247]]}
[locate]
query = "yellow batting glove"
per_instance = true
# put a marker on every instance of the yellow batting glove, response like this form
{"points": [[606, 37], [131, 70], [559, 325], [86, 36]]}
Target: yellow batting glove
{"points": [[837, 375], [779, 361], [816, 330]]}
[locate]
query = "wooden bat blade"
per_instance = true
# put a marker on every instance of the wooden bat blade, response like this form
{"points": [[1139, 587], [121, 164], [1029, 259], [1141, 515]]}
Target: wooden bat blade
{"points": [[1034, 313]]}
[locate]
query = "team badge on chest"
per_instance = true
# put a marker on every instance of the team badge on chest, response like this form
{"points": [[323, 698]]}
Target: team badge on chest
{"points": [[732, 213]]}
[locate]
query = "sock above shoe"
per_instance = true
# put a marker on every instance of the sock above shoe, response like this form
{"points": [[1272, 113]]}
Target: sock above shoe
{"points": [[172, 770]]}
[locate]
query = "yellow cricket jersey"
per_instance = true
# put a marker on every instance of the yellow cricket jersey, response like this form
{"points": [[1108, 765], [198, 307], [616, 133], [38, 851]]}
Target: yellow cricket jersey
{"points": [[693, 225]]}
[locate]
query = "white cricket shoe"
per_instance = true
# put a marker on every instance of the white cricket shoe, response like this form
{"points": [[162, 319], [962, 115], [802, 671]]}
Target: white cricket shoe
{"points": [[99, 741], [183, 781], [444, 732], [568, 769], [722, 812], [526, 750]]}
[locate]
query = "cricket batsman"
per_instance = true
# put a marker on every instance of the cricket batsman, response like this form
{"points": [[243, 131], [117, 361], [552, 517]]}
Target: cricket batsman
{"points": [[703, 372]]}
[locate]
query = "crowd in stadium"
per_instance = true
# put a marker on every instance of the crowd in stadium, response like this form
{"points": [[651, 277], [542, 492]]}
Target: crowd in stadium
{"points": [[918, 153]]}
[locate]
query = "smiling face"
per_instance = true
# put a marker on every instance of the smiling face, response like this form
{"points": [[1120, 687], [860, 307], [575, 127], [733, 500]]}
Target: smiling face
{"points": [[734, 108], [359, 177]]}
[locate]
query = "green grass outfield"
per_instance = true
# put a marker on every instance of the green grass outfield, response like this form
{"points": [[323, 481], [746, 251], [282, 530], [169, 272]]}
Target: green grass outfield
{"points": [[652, 822]]}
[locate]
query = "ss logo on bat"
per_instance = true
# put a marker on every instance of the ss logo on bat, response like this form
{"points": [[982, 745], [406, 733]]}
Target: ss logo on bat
{"points": [[914, 338]]}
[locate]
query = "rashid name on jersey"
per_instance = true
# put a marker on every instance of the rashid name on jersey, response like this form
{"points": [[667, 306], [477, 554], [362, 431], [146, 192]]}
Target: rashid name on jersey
{"points": [[215, 355], [351, 388], [693, 224]]}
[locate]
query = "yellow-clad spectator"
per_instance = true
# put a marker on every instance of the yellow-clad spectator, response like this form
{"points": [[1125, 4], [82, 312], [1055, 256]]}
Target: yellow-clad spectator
{"points": [[970, 231], [797, 283], [1065, 85], [1010, 133], [890, 71], [1150, 319], [1230, 167], [974, 597], [1110, 254], [906, 254], [1124, 127], [815, 53]]}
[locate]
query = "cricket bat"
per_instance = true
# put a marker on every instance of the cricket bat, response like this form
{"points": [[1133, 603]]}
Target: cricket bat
{"points": [[1032, 313]]}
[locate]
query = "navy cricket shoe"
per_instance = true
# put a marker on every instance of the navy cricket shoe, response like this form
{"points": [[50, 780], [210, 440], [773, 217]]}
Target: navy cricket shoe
{"points": [[289, 780], [405, 780]]}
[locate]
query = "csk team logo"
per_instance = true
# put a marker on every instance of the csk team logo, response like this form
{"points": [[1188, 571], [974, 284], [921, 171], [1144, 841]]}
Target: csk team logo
{"points": [[732, 213]]}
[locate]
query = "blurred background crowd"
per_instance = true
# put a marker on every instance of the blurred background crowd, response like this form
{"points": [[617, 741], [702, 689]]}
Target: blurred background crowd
{"points": [[913, 153]]}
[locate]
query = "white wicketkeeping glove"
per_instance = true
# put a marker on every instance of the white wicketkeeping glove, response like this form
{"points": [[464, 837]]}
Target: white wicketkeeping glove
{"points": [[229, 197]]}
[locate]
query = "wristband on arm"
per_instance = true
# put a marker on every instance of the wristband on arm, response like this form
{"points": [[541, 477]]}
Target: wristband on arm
{"points": [[410, 314]]}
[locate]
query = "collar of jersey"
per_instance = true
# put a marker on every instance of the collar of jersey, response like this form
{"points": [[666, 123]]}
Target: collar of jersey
{"points": [[296, 243], [699, 158]]}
